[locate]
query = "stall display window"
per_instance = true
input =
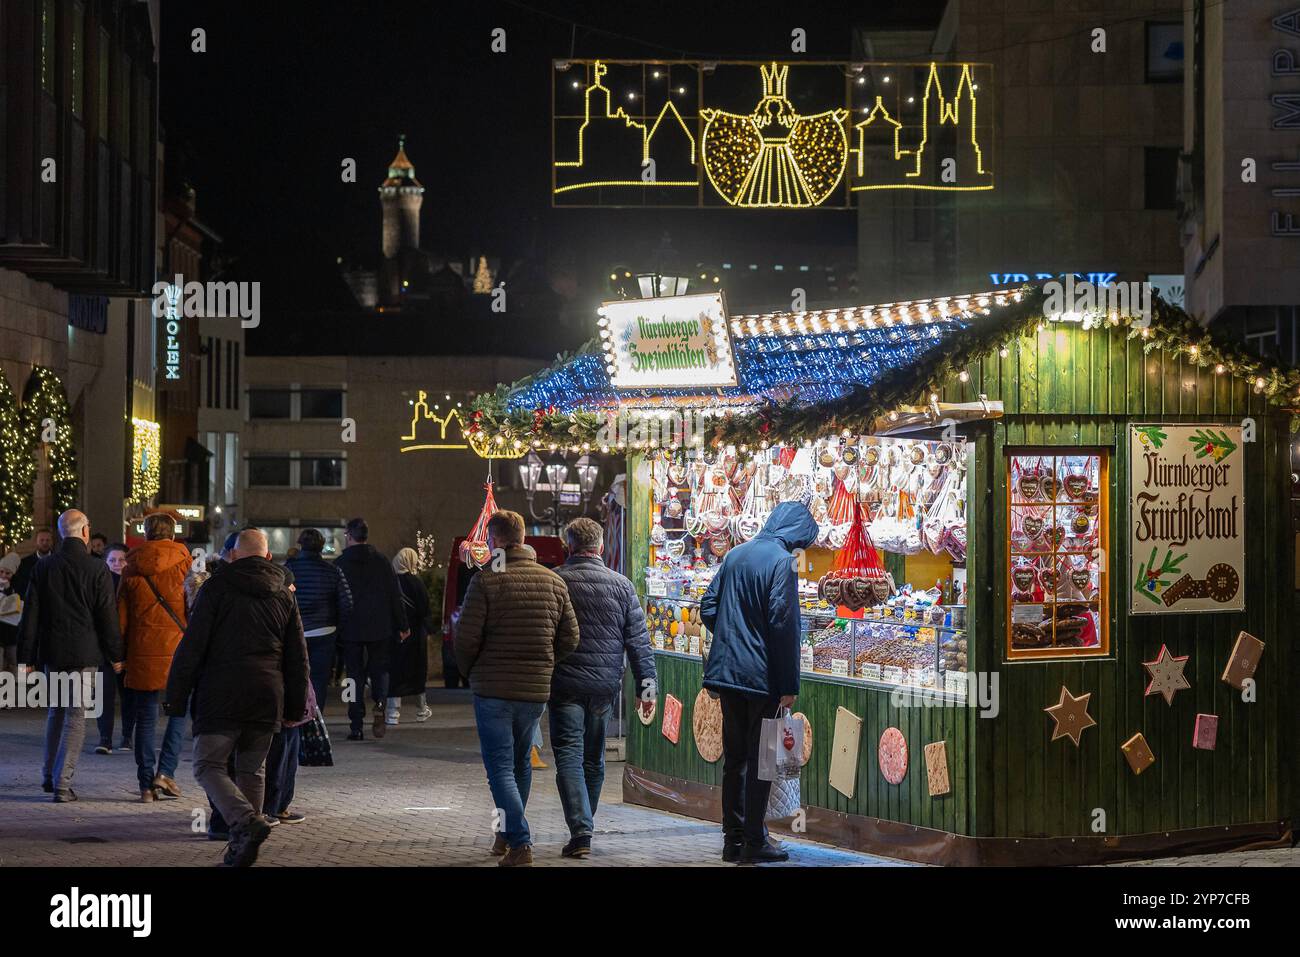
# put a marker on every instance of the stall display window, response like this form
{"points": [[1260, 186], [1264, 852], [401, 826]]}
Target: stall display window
{"points": [[1058, 516]]}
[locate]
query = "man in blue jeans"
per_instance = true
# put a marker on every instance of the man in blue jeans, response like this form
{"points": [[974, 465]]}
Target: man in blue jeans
{"points": [[610, 624], [516, 622]]}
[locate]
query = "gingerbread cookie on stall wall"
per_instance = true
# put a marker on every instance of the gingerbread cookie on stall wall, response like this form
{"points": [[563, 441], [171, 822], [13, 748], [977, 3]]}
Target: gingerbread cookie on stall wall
{"points": [[706, 724]]}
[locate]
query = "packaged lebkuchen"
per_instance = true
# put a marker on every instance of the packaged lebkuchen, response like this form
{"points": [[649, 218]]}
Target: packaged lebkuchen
{"points": [[475, 550], [858, 578]]}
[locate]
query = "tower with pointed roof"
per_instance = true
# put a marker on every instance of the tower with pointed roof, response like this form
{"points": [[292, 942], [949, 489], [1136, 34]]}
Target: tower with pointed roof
{"points": [[400, 197]]}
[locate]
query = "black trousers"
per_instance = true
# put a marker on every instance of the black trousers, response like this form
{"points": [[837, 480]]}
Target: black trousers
{"points": [[366, 659], [744, 796]]}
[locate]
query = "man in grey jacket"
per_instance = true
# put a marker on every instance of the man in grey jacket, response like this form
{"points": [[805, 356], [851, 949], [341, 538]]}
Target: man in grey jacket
{"points": [[583, 685]]}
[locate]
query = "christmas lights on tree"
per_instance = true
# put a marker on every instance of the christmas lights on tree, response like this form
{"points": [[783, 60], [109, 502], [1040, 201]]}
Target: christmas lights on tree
{"points": [[45, 400], [17, 470], [146, 455]]}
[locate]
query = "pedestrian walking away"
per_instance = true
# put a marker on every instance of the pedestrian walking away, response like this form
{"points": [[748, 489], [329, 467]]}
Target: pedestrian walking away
{"points": [[282, 758], [325, 604], [611, 625], [516, 622], [151, 611], [242, 670], [377, 616], [408, 666], [752, 609], [69, 626]]}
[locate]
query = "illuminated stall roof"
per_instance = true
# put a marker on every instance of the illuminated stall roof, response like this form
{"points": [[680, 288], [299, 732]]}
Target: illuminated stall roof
{"points": [[811, 356]]}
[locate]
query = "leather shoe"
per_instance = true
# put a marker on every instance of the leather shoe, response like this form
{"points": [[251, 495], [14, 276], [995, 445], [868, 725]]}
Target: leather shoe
{"points": [[766, 853], [166, 785]]}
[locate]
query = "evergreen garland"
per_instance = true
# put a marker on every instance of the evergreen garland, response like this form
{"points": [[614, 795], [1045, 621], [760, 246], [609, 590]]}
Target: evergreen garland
{"points": [[1170, 329]]}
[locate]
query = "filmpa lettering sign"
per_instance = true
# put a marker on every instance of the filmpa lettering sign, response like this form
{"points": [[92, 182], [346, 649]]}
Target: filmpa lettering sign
{"points": [[1186, 514], [674, 342]]}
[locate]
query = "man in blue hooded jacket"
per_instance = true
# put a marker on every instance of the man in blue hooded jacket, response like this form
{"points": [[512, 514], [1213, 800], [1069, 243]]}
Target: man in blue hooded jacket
{"points": [[752, 609]]}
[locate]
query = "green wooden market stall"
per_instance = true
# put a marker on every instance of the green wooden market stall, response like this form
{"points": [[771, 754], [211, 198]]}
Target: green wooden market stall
{"points": [[1090, 655]]}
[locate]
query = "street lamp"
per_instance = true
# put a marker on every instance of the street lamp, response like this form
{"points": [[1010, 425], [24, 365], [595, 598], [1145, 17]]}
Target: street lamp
{"points": [[557, 474]]}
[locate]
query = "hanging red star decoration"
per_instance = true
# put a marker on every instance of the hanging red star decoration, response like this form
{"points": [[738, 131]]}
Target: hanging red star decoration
{"points": [[1166, 673], [1071, 715]]}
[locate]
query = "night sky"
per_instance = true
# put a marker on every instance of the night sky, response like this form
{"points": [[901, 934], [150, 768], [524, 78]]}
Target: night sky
{"points": [[260, 123]]}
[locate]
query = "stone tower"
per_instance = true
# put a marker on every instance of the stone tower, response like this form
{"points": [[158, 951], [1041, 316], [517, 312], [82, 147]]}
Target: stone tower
{"points": [[400, 196]]}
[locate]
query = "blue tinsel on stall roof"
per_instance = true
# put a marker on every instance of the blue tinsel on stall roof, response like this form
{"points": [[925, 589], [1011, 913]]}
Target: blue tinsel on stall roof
{"points": [[813, 368]]}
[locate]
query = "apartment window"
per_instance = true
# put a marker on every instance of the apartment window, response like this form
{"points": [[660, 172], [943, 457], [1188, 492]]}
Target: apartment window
{"points": [[1161, 169], [124, 107], [230, 464], [270, 403], [322, 403], [1164, 63], [212, 442], [321, 471], [270, 471], [210, 346], [78, 58], [101, 91], [232, 397], [47, 46], [230, 372], [1058, 515], [216, 377]]}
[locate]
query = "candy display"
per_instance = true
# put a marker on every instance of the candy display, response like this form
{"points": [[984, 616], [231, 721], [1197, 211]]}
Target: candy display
{"points": [[1056, 574], [856, 622]]}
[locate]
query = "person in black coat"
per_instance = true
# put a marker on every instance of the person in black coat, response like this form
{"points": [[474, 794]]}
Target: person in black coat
{"points": [[377, 615], [325, 603], [23, 577], [408, 668], [69, 625], [583, 685], [244, 661]]}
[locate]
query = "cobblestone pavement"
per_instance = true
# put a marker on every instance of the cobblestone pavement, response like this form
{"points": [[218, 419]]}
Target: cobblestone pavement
{"points": [[417, 797]]}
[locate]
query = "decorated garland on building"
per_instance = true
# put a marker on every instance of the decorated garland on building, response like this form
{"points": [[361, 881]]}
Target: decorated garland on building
{"points": [[998, 329], [44, 399], [17, 470]]}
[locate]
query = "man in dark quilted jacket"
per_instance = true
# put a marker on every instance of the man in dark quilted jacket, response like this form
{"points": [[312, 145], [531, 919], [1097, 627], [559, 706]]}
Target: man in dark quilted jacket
{"points": [[610, 624], [515, 624]]}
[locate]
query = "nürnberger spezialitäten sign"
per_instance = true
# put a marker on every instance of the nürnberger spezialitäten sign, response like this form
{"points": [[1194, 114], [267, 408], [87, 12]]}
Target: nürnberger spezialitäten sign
{"points": [[1186, 519]]}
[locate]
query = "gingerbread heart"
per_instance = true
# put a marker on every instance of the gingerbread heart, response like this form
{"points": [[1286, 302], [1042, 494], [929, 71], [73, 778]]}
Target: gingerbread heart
{"points": [[1023, 578]]}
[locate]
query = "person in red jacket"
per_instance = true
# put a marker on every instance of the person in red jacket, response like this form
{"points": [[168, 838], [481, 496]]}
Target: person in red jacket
{"points": [[151, 611]]}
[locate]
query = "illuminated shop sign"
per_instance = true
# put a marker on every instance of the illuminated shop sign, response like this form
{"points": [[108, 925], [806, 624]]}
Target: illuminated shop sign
{"points": [[765, 135], [672, 342]]}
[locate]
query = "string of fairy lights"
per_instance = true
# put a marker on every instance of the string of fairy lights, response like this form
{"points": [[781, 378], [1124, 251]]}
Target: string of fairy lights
{"points": [[22, 431], [841, 369]]}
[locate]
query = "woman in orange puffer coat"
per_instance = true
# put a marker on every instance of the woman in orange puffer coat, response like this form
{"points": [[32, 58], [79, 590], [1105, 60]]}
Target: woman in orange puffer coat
{"points": [[152, 613]]}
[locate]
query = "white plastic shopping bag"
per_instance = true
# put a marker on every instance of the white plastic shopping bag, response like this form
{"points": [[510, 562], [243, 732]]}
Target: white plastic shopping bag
{"points": [[780, 748]]}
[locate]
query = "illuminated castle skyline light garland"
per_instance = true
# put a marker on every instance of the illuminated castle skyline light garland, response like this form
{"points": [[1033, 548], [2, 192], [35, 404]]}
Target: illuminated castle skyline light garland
{"points": [[896, 126]]}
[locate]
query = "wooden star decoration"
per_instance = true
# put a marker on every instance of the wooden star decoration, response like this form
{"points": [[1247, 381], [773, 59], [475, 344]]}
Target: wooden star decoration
{"points": [[1166, 673], [1071, 715]]}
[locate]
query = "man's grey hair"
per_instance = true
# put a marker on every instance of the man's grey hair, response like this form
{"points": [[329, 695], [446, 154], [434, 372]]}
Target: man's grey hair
{"points": [[584, 536], [71, 523], [251, 541]]}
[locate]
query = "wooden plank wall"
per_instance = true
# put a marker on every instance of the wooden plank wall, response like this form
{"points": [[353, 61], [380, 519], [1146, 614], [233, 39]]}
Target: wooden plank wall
{"points": [[1069, 387], [819, 700]]}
